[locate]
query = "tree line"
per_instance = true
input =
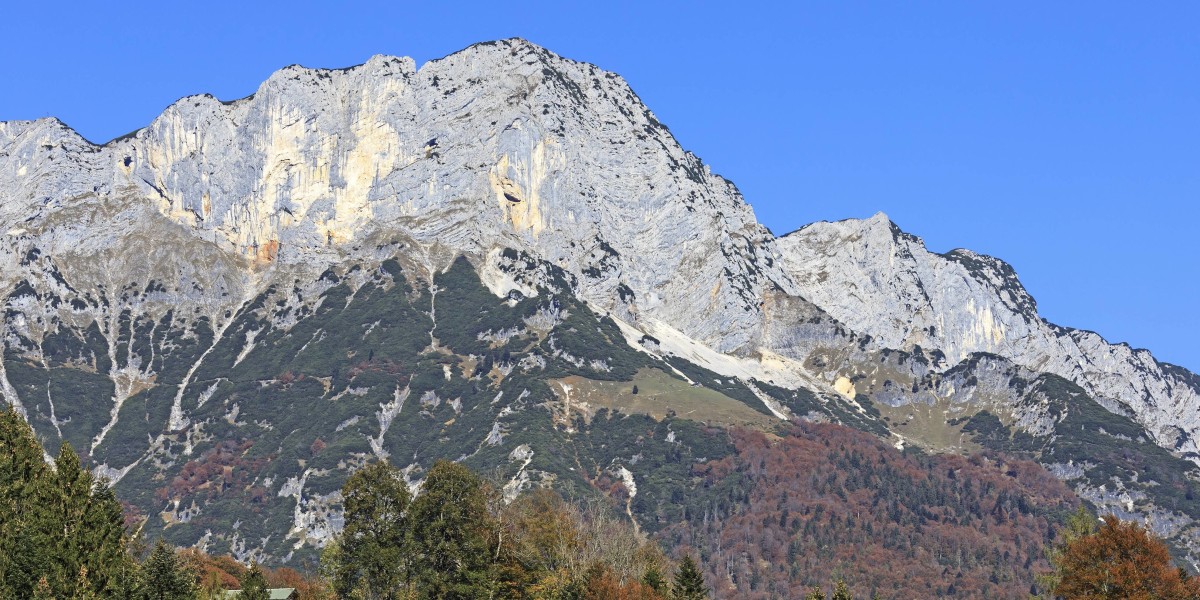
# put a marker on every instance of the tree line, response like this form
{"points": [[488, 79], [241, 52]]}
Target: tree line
{"points": [[459, 539], [63, 536]]}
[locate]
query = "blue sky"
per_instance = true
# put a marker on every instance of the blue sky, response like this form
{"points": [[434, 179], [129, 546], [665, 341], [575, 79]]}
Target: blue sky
{"points": [[1061, 137]]}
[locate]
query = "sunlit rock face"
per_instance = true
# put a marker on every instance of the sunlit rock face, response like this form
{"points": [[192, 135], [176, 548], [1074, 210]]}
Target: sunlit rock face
{"points": [[500, 145], [884, 283]]}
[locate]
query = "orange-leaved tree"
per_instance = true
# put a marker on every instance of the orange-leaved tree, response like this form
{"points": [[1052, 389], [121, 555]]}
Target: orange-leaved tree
{"points": [[1121, 560]]}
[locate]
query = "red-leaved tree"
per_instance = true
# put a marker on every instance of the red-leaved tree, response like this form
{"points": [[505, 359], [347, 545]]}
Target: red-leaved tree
{"points": [[1121, 560]]}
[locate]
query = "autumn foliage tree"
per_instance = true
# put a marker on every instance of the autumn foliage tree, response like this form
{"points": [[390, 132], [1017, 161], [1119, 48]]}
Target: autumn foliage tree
{"points": [[1121, 560], [458, 539], [551, 548]]}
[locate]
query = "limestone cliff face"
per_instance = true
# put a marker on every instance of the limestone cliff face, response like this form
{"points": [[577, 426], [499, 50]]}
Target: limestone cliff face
{"points": [[500, 145], [884, 283], [507, 145]]}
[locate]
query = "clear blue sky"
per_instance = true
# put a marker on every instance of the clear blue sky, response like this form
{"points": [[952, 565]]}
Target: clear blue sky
{"points": [[1063, 137]]}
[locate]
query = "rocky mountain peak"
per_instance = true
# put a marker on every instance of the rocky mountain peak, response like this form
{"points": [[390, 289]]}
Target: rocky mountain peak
{"points": [[501, 144], [1000, 276]]}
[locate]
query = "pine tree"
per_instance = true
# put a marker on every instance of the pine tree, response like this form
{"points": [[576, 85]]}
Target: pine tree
{"points": [[816, 593], [164, 577], [452, 534], [254, 584], [689, 582], [371, 557]]}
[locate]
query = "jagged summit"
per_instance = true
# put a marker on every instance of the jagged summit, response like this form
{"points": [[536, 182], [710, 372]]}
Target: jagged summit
{"points": [[378, 65], [502, 142]]}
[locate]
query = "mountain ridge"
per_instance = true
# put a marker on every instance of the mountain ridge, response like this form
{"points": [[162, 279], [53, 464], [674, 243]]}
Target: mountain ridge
{"points": [[157, 265]]}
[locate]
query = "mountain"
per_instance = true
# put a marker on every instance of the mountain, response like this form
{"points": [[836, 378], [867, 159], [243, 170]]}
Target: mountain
{"points": [[480, 259], [884, 283]]}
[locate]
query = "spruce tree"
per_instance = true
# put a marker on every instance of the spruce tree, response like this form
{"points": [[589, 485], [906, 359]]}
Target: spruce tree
{"points": [[25, 546], [89, 527], [104, 541], [55, 524], [254, 584], [164, 576], [689, 582], [84, 590], [653, 579]]}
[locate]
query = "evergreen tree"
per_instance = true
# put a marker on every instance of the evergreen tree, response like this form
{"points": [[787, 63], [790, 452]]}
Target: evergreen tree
{"points": [[87, 521], [84, 590], [25, 548], [841, 591], [55, 524], [21, 461], [371, 557], [104, 543], [816, 593], [689, 582], [452, 532], [254, 584], [653, 579], [164, 576]]}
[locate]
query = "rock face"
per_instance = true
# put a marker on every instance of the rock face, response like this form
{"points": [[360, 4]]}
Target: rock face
{"points": [[149, 271], [882, 282], [502, 144]]}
